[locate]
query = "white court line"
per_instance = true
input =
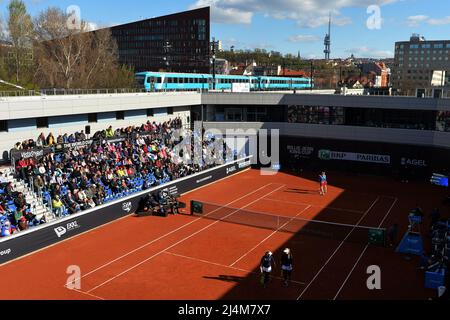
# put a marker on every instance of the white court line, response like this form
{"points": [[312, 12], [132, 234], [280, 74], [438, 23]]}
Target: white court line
{"points": [[305, 204], [337, 249], [363, 253], [88, 294], [270, 236], [182, 240], [225, 266], [167, 234]]}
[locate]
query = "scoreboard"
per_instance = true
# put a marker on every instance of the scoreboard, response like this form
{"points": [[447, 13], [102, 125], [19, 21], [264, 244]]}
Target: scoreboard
{"points": [[439, 180]]}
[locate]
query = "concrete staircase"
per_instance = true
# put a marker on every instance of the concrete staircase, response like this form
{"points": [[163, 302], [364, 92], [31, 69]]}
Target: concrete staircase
{"points": [[38, 207]]}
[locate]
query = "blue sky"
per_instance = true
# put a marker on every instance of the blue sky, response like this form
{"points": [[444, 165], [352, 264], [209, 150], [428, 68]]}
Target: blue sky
{"points": [[288, 26]]}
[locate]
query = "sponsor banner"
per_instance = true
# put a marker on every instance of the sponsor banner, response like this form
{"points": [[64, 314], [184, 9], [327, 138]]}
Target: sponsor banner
{"points": [[231, 170], [5, 252], [17, 246], [32, 153], [298, 152], [76, 145], [358, 157], [413, 162], [245, 164]]}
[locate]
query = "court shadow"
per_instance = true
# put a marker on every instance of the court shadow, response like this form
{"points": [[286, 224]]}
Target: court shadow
{"points": [[301, 191], [225, 278]]}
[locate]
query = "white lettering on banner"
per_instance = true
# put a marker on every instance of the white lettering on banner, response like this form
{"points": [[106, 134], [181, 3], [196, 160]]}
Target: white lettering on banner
{"points": [[231, 170], [348, 156], [204, 179], [5, 252], [32, 154], [414, 162], [245, 164], [300, 150], [60, 231]]}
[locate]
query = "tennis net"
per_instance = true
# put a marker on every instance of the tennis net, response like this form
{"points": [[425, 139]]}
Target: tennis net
{"points": [[298, 226]]}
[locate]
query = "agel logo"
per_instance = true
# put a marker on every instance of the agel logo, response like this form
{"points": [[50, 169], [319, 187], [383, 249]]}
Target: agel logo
{"points": [[414, 162]]}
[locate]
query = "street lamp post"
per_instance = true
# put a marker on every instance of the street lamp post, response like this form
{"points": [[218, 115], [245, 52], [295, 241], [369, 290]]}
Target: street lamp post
{"points": [[213, 51], [167, 46]]}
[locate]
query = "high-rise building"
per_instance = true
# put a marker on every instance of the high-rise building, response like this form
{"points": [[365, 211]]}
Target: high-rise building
{"points": [[176, 43], [422, 68]]}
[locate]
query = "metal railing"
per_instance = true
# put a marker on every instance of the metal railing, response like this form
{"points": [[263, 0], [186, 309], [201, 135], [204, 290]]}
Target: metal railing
{"points": [[68, 92]]}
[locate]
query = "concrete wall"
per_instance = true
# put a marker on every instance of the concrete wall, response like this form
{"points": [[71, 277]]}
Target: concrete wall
{"points": [[51, 106], [8, 139], [378, 102], [400, 136]]}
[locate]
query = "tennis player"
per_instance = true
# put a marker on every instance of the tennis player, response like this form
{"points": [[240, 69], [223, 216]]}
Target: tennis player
{"points": [[323, 184], [267, 261], [287, 266]]}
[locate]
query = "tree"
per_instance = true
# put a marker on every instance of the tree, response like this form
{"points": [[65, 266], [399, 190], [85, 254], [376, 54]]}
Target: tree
{"points": [[75, 58], [20, 27]]}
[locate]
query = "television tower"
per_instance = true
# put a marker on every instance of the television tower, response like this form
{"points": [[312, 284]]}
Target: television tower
{"points": [[327, 41]]}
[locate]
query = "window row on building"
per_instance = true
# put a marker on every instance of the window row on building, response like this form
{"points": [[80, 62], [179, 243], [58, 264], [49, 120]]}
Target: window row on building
{"points": [[17, 125], [367, 117]]}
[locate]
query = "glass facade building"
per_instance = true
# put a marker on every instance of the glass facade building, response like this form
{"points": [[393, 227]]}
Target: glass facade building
{"points": [[174, 43]]}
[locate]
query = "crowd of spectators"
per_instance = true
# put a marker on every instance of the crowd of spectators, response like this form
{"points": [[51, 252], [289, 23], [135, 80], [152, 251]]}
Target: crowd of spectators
{"points": [[15, 213], [83, 177]]}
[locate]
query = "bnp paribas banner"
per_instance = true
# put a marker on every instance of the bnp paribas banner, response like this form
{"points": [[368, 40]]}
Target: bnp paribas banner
{"points": [[349, 156]]}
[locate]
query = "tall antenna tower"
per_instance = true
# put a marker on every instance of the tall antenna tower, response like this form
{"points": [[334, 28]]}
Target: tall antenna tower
{"points": [[327, 41]]}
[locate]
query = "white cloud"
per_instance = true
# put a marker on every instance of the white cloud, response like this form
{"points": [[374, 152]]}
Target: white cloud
{"points": [[91, 26], [367, 52], [308, 13], [439, 22], [414, 21], [304, 38]]}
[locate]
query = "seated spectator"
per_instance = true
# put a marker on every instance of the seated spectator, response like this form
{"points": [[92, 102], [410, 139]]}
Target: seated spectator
{"points": [[50, 141], [3, 180], [23, 224], [110, 133], [41, 141], [74, 208], [58, 206], [7, 229]]}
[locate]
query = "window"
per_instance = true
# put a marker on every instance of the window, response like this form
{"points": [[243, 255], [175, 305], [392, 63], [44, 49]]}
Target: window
{"points": [[120, 115], [150, 113], [438, 46], [42, 123], [170, 111], [92, 118], [3, 125]]}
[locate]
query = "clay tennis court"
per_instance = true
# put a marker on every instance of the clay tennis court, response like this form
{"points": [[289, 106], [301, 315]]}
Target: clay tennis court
{"points": [[187, 257]]}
